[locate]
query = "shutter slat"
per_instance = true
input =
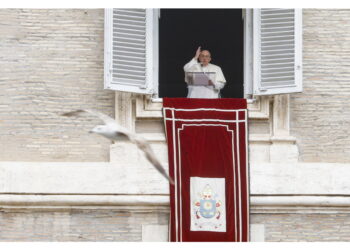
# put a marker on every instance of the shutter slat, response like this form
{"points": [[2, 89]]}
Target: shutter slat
{"points": [[127, 81], [130, 54], [128, 35], [129, 59], [266, 65], [280, 84], [131, 40], [121, 20], [136, 37], [276, 51], [272, 69], [277, 60], [124, 66], [274, 38], [284, 73], [130, 31], [122, 57], [280, 46], [123, 44], [133, 12], [278, 25], [277, 15], [126, 76], [268, 78], [131, 18], [129, 48], [127, 70], [268, 55], [277, 42], [130, 27], [277, 21], [276, 10], [289, 32], [129, 14], [278, 29]]}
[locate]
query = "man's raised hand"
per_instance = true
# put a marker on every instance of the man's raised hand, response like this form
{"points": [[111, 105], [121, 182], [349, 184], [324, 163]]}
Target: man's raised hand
{"points": [[198, 52]]}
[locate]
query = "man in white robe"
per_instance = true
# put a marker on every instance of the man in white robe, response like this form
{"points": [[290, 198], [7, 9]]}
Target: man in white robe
{"points": [[204, 65]]}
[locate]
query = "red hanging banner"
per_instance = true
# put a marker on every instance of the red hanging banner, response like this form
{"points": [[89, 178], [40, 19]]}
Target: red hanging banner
{"points": [[208, 160]]}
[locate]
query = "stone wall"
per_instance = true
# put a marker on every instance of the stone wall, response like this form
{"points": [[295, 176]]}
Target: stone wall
{"points": [[304, 227], [320, 116], [76, 225], [115, 225], [51, 61]]}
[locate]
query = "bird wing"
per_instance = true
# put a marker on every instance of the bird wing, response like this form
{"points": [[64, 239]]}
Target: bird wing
{"points": [[105, 118], [143, 145]]}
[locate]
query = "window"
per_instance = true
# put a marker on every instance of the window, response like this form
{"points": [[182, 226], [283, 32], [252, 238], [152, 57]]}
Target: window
{"points": [[271, 44], [181, 31]]}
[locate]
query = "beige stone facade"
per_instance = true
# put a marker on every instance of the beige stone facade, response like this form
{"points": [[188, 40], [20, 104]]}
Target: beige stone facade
{"points": [[320, 116], [116, 225], [51, 61], [59, 183]]}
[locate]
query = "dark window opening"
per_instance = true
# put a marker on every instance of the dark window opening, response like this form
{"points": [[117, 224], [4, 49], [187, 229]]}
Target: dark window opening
{"points": [[181, 31]]}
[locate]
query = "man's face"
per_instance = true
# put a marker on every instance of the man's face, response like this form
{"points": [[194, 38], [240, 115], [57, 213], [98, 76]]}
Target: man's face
{"points": [[205, 57]]}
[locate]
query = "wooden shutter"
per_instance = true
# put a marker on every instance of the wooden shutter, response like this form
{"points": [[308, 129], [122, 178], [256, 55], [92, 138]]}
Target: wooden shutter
{"points": [[128, 50], [277, 45]]}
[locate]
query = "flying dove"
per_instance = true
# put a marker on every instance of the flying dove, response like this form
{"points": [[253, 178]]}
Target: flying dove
{"points": [[113, 131]]}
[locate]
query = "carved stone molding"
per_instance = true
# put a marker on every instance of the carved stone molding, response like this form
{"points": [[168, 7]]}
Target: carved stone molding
{"points": [[124, 114], [283, 146], [157, 203], [280, 145], [146, 107]]}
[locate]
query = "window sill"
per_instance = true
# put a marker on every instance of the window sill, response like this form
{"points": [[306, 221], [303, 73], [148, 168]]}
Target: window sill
{"points": [[148, 107], [160, 100]]}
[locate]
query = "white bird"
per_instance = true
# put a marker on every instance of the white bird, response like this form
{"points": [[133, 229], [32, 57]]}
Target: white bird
{"points": [[113, 131]]}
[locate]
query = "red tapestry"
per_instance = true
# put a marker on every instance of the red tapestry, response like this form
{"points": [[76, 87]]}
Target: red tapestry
{"points": [[208, 160]]}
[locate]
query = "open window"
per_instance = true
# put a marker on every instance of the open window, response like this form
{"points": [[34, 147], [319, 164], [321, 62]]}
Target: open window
{"points": [[140, 50], [181, 31]]}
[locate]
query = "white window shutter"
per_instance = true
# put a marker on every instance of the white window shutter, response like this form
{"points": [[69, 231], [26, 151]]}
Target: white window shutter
{"points": [[128, 63], [277, 50]]}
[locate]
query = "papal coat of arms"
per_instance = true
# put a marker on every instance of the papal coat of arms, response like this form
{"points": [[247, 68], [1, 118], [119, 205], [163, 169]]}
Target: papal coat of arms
{"points": [[207, 209]]}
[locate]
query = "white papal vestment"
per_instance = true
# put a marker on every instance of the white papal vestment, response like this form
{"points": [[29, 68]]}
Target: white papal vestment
{"points": [[204, 91]]}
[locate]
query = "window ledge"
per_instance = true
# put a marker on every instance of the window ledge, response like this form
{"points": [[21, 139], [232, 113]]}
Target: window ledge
{"points": [[148, 107], [160, 100]]}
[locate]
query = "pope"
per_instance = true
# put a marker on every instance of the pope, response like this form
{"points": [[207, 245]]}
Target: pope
{"points": [[204, 65]]}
